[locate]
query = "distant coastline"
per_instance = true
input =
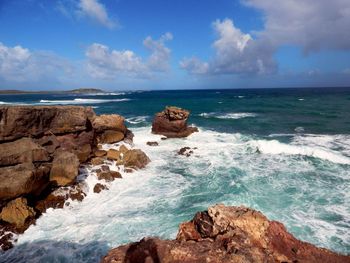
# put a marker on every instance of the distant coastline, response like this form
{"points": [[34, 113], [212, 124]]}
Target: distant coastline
{"points": [[73, 91]]}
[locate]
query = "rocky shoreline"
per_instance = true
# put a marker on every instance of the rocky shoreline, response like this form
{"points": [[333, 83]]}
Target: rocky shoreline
{"points": [[44, 149]]}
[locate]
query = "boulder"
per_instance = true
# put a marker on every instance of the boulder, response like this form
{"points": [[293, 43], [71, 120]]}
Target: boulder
{"points": [[108, 175], [152, 143], [111, 136], [136, 159], [100, 153], [22, 151], [65, 168], [99, 187], [105, 122], [18, 213], [97, 161], [172, 123], [113, 154], [34, 121], [222, 235], [23, 179]]}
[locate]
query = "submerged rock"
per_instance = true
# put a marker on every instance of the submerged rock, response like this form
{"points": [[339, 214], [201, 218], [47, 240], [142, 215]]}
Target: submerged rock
{"points": [[226, 234], [152, 143], [172, 123], [99, 187]]}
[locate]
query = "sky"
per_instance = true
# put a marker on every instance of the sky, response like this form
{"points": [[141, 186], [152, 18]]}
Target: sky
{"points": [[178, 44]]}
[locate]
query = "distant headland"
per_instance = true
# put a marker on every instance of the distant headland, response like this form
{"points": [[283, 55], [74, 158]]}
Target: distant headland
{"points": [[73, 91]]}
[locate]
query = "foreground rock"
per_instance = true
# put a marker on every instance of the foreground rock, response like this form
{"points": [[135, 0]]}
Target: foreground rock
{"points": [[41, 150], [226, 234], [172, 123]]}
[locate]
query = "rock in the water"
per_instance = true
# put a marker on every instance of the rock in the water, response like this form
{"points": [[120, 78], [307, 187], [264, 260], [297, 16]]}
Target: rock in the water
{"points": [[110, 136], [109, 122], [65, 168], [185, 151], [222, 235], [152, 143], [23, 179], [108, 175], [172, 123], [136, 159], [22, 151], [99, 187], [33, 121], [18, 213]]}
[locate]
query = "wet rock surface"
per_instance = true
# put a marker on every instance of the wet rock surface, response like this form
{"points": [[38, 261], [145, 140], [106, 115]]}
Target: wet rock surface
{"points": [[172, 123], [225, 234]]}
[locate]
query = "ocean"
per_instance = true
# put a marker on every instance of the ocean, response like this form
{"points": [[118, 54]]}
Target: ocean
{"points": [[284, 152]]}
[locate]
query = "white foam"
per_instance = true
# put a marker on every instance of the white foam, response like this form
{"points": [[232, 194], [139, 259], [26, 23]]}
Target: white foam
{"points": [[81, 101], [137, 120], [276, 147], [233, 115], [2, 102]]}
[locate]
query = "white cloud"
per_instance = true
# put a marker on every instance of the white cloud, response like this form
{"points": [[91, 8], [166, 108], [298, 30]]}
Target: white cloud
{"points": [[18, 64], [96, 11], [105, 63], [313, 25], [235, 53]]}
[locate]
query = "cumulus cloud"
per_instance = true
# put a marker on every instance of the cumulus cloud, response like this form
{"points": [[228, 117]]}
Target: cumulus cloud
{"points": [[19, 64], [96, 11], [312, 25], [235, 53], [102, 62]]}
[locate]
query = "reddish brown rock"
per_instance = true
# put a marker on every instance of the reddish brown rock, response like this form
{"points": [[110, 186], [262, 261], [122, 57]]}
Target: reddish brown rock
{"points": [[23, 179], [33, 121], [185, 151], [22, 151], [113, 154], [58, 198], [172, 123], [108, 175], [222, 235], [17, 213], [97, 161], [99, 187], [113, 122], [136, 159], [152, 143], [100, 153], [65, 168], [110, 136]]}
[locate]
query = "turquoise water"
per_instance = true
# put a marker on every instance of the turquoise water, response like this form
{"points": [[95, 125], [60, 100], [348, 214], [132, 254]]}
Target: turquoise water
{"points": [[283, 152]]}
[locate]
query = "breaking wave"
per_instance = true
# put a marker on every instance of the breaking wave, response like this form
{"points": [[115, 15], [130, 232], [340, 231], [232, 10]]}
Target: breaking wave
{"points": [[235, 115]]}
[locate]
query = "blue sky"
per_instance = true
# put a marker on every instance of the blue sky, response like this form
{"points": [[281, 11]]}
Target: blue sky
{"points": [[158, 44]]}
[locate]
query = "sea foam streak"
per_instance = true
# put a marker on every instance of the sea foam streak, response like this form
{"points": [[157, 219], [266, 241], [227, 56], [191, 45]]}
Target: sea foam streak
{"points": [[235, 115], [172, 188], [81, 101], [137, 120]]}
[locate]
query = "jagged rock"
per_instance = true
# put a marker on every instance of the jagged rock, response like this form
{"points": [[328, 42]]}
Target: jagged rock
{"points": [[136, 159], [108, 175], [129, 137], [33, 121], [58, 198], [152, 143], [110, 136], [23, 179], [99, 187], [100, 153], [17, 212], [65, 168], [109, 122], [222, 235], [123, 149], [22, 151], [172, 123]]}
